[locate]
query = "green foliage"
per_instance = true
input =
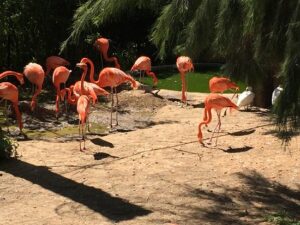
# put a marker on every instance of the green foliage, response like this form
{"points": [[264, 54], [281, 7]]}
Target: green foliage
{"points": [[31, 30], [8, 147], [196, 81], [282, 219]]}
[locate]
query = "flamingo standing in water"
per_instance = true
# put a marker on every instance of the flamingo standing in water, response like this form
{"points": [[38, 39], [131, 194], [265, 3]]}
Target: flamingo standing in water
{"points": [[36, 75], [60, 76], [10, 92], [184, 65], [55, 61], [143, 63], [113, 77], [217, 102], [102, 44]]}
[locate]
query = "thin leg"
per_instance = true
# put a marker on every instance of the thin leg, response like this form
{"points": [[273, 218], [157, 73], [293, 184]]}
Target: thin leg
{"points": [[117, 106], [219, 127], [225, 112], [112, 105], [79, 135]]}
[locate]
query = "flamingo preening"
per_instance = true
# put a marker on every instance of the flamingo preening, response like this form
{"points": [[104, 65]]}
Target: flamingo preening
{"points": [[217, 102], [36, 75], [53, 62], [113, 77], [10, 92], [102, 44], [60, 76], [184, 65], [143, 63]]}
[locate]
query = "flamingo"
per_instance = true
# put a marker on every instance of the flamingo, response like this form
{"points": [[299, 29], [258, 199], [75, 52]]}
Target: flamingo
{"points": [[221, 84], [35, 74], [55, 61], [144, 63], [10, 92], [217, 102], [71, 98], [184, 65], [276, 93], [87, 88], [102, 44], [246, 97], [113, 77], [60, 76], [83, 108]]}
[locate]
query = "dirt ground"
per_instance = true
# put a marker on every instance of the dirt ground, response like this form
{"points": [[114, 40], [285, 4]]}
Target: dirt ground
{"points": [[151, 170]]}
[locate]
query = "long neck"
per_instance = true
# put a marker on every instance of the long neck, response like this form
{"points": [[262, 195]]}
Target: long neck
{"points": [[82, 79], [71, 99], [206, 120], [133, 82], [92, 71], [34, 97], [8, 73], [151, 74]]}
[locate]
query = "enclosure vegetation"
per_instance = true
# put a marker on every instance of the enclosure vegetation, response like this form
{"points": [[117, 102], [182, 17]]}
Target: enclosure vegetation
{"points": [[258, 40]]}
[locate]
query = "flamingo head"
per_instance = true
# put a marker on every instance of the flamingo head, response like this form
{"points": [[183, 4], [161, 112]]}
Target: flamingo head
{"points": [[81, 65]]}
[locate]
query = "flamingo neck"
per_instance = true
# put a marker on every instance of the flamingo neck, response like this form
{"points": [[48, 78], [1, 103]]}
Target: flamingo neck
{"points": [[12, 73], [206, 120], [82, 80], [71, 99]]}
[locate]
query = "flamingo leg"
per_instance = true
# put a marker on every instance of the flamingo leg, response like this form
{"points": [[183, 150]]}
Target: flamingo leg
{"points": [[112, 105], [117, 105], [183, 87], [230, 99], [79, 135], [217, 126]]}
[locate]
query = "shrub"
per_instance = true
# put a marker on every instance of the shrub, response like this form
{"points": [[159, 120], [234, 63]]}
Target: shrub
{"points": [[8, 147]]}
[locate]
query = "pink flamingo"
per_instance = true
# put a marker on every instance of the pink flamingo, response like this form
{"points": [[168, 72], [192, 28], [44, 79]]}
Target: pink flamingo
{"points": [[102, 44], [10, 92], [221, 84], [184, 65], [113, 77], [36, 75], [55, 61], [217, 102], [143, 63], [60, 76], [83, 108]]}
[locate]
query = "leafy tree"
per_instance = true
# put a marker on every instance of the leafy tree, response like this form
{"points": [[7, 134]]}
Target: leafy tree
{"points": [[257, 39], [31, 30]]}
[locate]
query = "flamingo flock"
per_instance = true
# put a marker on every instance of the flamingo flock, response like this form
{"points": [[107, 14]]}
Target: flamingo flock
{"points": [[84, 94]]}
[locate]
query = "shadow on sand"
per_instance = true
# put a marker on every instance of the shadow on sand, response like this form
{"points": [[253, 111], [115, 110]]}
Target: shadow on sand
{"points": [[113, 208]]}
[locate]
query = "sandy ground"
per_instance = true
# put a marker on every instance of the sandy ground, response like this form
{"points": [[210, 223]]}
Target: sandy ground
{"points": [[155, 171]]}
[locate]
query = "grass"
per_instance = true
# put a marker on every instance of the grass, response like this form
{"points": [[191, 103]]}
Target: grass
{"points": [[196, 82], [282, 218]]}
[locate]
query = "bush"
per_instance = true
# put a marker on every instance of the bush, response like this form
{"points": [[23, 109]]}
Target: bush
{"points": [[8, 147]]}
